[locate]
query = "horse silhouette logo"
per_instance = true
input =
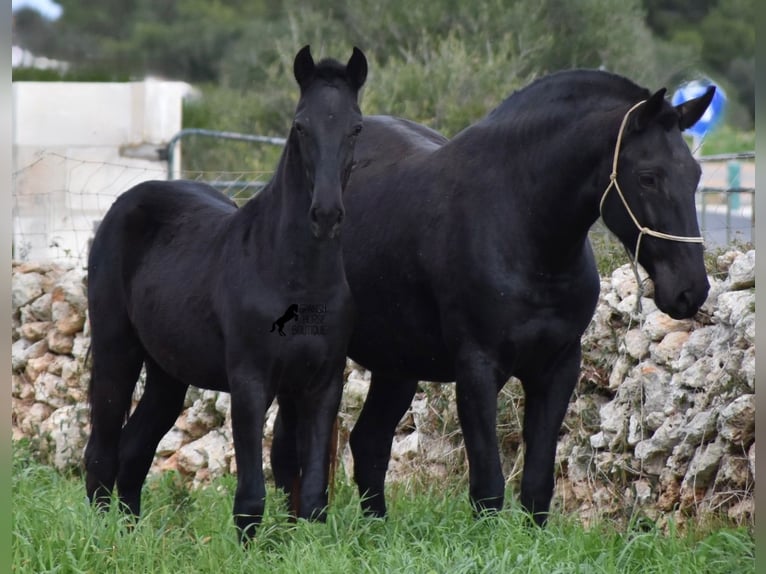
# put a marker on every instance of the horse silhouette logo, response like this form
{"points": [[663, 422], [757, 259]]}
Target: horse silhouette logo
{"points": [[287, 316]]}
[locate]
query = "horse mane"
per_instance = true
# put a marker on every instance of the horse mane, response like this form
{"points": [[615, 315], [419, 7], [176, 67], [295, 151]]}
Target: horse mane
{"points": [[569, 90], [535, 118]]}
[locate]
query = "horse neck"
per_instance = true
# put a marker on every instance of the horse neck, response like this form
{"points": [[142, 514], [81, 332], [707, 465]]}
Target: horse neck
{"points": [[553, 204], [280, 232]]}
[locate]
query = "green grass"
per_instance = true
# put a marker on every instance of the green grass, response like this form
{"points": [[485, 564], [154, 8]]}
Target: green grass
{"points": [[429, 529]]}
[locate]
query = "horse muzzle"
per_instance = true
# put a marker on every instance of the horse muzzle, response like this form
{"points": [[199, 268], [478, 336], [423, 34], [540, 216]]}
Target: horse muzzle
{"points": [[681, 302], [326, 222]]}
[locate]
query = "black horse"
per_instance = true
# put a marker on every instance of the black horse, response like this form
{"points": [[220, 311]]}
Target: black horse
{"points": [[469, 259], [183, 282]]}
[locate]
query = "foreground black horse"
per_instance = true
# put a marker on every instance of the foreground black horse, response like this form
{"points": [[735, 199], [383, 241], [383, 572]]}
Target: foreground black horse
{"points": [[182, 282], [469, 259]]}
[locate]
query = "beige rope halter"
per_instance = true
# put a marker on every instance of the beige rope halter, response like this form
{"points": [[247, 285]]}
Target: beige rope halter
{"points": [[642, 230]]}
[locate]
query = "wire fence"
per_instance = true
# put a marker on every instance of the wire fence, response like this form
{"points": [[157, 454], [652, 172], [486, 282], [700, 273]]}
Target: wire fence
{"points": [[726, 199], [59, 198]]}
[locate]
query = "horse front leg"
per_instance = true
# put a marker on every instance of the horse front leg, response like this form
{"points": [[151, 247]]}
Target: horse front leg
{"points": [[284, 453], [545, 405], [387, 400], [478, 382], [315, 428], [249, 401]]}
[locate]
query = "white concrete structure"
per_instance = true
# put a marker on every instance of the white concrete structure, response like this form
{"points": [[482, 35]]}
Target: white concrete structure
{"points": [[76, 147]]}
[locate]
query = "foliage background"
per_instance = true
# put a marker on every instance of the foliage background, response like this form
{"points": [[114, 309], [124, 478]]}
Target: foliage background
{"points": [[443, 62]]}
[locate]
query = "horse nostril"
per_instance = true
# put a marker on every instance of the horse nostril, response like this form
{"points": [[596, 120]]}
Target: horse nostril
{"points": [[313, 215], [687, 304], [341, 215]]}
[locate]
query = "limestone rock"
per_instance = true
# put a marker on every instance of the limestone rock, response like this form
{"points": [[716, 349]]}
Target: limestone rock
{"points": [[68, 319], [52, 390], [700, 428], [614, 418], [70, 287], [736, 422], [38, 310], [619, 371], [33, 418], [212, 452], [643, 490], [35, 330], [733, 473], [723, 261], [19, 355], [405, 447], [66, 436], [25, 287], [733, 306], [624, 281], [658, 324], [173, 440], [636, 344], [669, 349], [704, 465], [59, 342], [742, 271], [38, 365]]}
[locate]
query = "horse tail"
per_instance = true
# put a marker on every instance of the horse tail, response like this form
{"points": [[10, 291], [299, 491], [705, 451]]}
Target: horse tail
{"points": [[92, 404]]}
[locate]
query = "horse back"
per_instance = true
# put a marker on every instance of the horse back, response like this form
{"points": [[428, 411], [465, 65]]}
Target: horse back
{"points": [[152, 262], [152, 211], [386, 140]]}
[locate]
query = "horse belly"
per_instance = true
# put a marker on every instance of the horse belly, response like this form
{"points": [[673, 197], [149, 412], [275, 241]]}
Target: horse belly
{"points": [[390, 343], [189, 355], [178, 330]]}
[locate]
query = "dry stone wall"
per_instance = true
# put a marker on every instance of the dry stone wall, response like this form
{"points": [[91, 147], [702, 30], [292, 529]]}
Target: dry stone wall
{"points": [[662, 421]]}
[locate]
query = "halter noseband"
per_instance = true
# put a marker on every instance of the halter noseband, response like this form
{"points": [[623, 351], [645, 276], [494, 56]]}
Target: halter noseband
{"points": [[642, 230]]}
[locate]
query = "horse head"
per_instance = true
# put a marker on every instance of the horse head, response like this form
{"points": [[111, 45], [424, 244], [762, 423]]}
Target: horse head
{"points": [[325, 127], [649, 203]]}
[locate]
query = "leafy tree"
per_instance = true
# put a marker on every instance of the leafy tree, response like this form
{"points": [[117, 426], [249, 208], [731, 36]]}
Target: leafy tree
{"points": [[722, 34], [33, 32], [446, 62]]}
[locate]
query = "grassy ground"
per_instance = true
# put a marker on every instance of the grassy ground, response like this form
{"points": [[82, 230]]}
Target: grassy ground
{"points": [[428, 530]]}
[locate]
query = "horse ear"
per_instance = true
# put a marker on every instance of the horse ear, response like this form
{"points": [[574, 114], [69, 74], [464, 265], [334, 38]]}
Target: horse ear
{"points": [[303, 66], [649, 110], [356, 68], [691, 111]]}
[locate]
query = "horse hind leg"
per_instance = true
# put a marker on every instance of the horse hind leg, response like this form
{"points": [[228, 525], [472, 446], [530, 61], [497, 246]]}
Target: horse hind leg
{"points": [[159, 407], [117, 359], [373, 434]]}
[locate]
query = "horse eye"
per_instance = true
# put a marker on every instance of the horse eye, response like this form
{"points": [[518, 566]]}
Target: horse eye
{"points": [[299, 128], [357, 130], [647, 180]]}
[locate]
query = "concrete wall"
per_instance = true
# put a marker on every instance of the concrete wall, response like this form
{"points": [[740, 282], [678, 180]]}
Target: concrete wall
{"points": [[76, 147]]}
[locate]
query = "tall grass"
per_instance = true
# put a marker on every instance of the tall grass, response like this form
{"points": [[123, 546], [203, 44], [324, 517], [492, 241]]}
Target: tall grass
{"points": [[429, 529]]}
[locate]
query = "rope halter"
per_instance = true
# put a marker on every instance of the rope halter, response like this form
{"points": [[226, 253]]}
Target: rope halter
{"points": [[642, 230]]}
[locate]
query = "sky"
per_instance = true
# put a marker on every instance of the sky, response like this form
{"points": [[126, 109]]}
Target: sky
{"points": [[47, 8]]}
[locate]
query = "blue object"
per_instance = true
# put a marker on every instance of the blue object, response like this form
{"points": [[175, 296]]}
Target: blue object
{"points": [[714, 111]]}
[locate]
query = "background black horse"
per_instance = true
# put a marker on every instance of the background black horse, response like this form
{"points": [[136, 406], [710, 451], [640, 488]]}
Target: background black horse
{"points": [[184, 283], [469, 259]]}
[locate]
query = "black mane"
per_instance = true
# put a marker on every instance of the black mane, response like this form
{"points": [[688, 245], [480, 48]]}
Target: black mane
{"points": [[567, 90]]}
